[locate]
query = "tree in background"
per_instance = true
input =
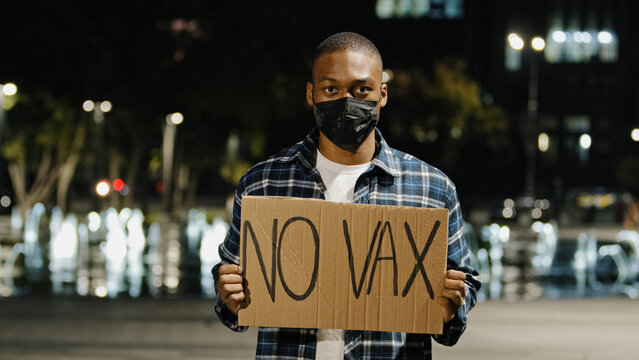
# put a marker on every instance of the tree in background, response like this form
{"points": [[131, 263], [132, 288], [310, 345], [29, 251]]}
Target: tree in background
{"points": [[441, 116], [42, 146]]}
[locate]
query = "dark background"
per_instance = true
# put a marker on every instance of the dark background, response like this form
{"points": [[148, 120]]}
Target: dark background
{"points": [[240, 68]]}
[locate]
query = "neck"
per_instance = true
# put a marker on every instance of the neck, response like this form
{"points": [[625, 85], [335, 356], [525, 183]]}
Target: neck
{"points": [[362, 155]]}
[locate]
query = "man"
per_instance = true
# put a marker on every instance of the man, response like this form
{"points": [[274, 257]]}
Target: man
{"points": [[344, 158]]}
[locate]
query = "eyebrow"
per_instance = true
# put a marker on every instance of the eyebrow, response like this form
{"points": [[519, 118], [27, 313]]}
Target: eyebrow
{"points": [[357, 81]]}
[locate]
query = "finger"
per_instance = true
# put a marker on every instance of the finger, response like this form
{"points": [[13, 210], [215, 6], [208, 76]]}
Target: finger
{"points": [[232, 288], [453, 295], [230, 279], [455, 285], [230, 269], [455, 275], [236, 298]]}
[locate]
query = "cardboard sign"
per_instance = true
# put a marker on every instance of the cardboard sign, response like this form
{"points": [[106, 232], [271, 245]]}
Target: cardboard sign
{"points": [[317, 264]]}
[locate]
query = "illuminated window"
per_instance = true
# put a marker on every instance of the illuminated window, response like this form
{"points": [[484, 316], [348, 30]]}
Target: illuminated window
{"points": [[435, 9], [581, 33]]}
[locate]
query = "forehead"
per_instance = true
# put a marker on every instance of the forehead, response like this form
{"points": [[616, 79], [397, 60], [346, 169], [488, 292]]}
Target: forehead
{"points": [[347, 65]]}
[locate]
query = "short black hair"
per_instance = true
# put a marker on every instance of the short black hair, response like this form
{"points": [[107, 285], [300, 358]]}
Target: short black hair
{"points": [[346, 41]]}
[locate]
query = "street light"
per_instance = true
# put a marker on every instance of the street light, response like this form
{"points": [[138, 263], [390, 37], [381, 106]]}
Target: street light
{"points": [[515, 41], [6, 92], [529, 128], [634, 134], [538, 43], [168, 145], [585, 141], [98, 108], [9, 89]]}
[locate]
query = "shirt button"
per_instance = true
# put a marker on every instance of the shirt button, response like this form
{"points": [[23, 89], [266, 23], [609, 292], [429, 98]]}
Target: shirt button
{"points": [[312, 332]]}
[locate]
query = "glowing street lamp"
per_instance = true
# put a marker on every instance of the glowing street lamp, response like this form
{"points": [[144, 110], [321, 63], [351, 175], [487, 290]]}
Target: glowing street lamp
{"points": [[168, 145], [529, 128], [515, 41], [98, 108], [103, 188], [537, 43], [543, 142], [634, 134], [9, 89], [585, 141], [175, 118]]}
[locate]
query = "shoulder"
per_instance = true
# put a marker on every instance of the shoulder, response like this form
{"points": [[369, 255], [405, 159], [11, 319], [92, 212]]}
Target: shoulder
{"points": [[277, 166], [423, 180], [412, 169]]}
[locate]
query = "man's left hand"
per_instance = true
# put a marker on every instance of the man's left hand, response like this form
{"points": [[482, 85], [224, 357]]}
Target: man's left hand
{"points": [[453, 293]]}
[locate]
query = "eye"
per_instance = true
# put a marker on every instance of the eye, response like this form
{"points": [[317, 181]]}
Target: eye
{"points": [[330, 89], [362, 89]]}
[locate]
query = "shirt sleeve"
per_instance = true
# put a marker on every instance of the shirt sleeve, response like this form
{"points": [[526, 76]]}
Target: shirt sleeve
{"points": [[229, 252], [458, 259]]}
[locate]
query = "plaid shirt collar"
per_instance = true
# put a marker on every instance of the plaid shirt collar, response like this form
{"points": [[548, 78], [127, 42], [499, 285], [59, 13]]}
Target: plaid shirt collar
{"points": [[306, 153]]}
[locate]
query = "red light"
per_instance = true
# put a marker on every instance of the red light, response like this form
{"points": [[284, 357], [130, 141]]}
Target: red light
{"points": [[118, 184]]}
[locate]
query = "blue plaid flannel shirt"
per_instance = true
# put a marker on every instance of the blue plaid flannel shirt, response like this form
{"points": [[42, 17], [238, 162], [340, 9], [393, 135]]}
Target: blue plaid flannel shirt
{"points": [[394, 178]]}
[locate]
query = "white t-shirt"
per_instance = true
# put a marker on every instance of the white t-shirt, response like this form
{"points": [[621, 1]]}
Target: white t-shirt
{"points": [[340, 185]]}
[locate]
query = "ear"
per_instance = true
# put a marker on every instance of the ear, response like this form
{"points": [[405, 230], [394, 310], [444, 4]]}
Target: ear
{"points": [[383, 96], [309, 94]]}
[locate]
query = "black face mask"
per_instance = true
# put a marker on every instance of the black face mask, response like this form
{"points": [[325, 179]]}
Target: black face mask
{"points": [[346, 122]]}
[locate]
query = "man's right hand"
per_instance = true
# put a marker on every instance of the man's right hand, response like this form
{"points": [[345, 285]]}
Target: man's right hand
{"points": [[231, 287]]}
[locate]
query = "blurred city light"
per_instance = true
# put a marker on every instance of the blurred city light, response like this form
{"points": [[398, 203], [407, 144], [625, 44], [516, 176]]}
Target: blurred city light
{"points": [[118, 184], [387, 75], [604, 37], [585, 141], [175, 118], [507, 212], [543, 142], [538, 43], [515, 41], [535, 213], [103, 188], [94, 221], [509, 203], [9, 89], [634, 134], [88, 106], [559, 36], [5, 201], [105, 106]]}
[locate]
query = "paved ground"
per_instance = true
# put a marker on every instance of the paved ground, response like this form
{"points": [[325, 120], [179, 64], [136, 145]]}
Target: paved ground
{"points": [[89, 328]]}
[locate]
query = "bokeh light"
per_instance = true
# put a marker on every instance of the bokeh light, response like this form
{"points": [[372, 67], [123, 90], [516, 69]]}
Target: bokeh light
{"points": [[105, 106], [634, 134], [88, 105], [515, 41], [538, 43], [118, 184], [5, 201], [175, 118], [585, 141], [9, 89], [103, 188], [604, 37], [543, 142], [558, 36]]}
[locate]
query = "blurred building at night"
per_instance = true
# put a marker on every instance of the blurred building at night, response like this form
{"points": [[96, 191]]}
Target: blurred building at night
{"points": [[569, 104]]}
